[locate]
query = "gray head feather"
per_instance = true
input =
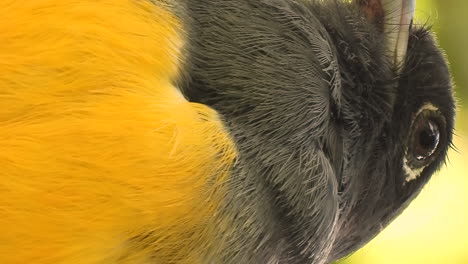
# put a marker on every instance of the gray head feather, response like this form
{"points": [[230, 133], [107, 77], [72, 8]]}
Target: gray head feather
{"points": [[321, 118]]}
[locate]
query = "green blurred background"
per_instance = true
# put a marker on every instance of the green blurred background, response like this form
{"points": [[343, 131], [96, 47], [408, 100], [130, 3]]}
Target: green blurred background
{"points": [[434, 229]]}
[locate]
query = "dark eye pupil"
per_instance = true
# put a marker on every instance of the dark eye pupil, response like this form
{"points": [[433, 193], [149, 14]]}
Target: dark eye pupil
{"points": [[428, 140]]}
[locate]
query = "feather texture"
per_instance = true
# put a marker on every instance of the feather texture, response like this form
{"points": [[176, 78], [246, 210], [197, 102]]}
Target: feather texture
{"points": [[103, 160], [111, 152]]}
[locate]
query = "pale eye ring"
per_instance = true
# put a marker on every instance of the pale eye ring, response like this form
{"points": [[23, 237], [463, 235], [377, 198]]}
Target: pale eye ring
{"points": [[425, 140]]}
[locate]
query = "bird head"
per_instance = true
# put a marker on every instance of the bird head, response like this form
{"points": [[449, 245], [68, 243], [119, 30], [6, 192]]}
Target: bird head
{"points": [[341, 111]]}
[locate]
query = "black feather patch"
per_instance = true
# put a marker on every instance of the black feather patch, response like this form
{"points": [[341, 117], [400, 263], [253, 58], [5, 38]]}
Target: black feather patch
{"points": [[321, 118]]}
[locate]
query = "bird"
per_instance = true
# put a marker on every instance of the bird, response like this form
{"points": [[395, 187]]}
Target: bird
{"points": [[213, 131]]}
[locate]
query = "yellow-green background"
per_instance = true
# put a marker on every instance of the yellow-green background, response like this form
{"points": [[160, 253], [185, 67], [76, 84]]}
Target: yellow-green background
{"points": [[434, 229]]}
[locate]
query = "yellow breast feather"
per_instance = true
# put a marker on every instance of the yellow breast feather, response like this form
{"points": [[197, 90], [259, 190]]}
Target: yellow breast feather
{"points": [[102, 159]]}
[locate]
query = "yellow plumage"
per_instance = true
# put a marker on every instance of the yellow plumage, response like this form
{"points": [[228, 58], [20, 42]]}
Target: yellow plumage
{"points": [[102, 159]]}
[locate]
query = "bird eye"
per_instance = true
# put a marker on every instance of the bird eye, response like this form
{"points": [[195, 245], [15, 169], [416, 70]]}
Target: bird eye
{"points": [[425, 140]]}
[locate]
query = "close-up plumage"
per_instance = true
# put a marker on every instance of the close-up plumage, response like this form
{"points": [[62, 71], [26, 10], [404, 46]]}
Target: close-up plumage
{"points": [[221, 131]]}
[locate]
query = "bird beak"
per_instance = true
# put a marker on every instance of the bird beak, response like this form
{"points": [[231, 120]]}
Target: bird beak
{"points": [[398, 19]]}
